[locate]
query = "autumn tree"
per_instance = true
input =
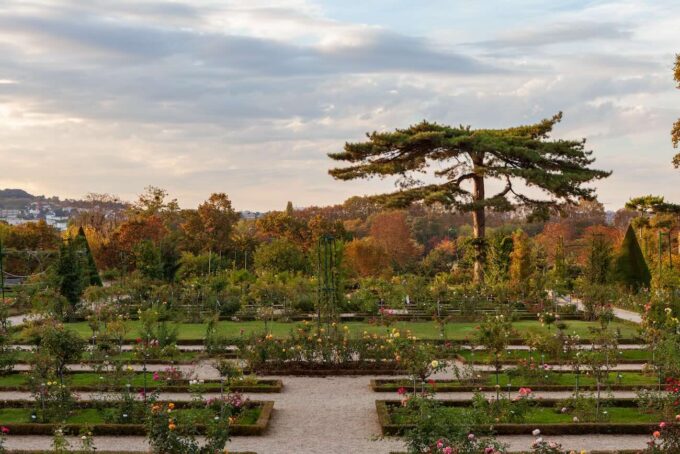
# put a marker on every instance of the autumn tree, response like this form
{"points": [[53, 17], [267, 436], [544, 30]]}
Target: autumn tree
{"points": [[465, 160], [209, 228], [521, 261], [440, 259], [391, 231], [675, 133], [365, 257]]}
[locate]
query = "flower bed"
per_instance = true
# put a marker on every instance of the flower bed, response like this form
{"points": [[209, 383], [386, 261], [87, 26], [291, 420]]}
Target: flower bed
{"points": [[621, 410], [561, 381], [259, 413], [628, 356], [91, 381]]}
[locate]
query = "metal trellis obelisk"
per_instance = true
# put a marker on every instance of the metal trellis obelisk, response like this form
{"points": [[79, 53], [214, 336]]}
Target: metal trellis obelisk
{"points": [[2, 274], [326, 279]]}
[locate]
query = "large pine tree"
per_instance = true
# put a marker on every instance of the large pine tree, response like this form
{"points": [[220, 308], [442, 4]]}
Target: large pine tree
{"points": [[458, 162]]}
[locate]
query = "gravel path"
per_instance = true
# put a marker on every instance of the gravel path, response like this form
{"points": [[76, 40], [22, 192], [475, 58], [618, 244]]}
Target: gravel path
{"points": [[331, 415], [623, 314]]}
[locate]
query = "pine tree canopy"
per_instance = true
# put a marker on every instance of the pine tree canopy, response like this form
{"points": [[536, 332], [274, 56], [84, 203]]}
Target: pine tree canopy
{"points": [[559, 168], [652, 204], [461, 159]]}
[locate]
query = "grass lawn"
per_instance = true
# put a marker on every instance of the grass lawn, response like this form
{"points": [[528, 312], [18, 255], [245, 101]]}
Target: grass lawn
{"points": [[24, 357], [569, 379], [422, 330], [554, 378], [482, 357], [541, 415], [93, 379], [94, 416]]}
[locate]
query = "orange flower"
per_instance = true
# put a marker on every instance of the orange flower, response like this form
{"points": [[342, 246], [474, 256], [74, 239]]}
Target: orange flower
{"points": [[171, 426], [171, 406], [656, 434]]}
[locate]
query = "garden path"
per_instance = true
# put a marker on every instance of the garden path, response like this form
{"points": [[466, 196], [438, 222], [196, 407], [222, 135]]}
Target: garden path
{"points": [[329, 415], [622, 314]]}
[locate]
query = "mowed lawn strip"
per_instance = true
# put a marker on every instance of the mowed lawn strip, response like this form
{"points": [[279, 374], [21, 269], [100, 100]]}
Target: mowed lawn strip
{"points": [[93, 416], [540, 415], [420, 329]]}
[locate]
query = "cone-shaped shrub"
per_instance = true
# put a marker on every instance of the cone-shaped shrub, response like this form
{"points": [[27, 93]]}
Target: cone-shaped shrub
{"points": [[630, 267]]}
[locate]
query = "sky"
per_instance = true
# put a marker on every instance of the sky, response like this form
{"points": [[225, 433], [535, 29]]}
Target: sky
{"points": [[247, 97]]}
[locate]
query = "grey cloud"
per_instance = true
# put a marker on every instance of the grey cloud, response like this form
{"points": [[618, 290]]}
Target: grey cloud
{"points": [[558, 33]]}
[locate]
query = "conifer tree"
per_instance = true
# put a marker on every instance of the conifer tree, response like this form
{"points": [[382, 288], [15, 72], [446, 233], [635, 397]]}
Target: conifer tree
{"points": [[630, 267], [70, 273], [465, 159], [89, 265]]}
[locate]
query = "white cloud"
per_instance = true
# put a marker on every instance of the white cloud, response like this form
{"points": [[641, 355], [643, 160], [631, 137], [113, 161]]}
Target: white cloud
{"points": [[247, 97]]}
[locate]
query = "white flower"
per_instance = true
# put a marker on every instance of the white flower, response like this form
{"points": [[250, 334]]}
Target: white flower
{"points": [[536, 433]]}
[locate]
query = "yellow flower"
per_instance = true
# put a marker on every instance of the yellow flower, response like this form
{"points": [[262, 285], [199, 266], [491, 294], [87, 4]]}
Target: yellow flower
{"points": [[171, 406], [434, 364]]}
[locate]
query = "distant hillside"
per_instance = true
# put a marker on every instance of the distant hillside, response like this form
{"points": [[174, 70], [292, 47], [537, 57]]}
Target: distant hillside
{"points": [[15, 199]]}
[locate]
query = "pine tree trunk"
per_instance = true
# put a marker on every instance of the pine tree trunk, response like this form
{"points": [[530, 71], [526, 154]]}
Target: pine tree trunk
{"points": [[478, 228]]}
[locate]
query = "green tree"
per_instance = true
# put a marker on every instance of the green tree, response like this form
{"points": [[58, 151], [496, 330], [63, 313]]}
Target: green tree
{"points": [[599, 260], [630, 267], [148, 259], [70, 273], [89, 265], [498, 258], [522, 155], [280, 255]]}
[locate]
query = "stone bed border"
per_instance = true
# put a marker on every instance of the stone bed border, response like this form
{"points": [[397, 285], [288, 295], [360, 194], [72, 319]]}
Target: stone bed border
{"points": [[259, 428], [380, 385], [387, 428]]}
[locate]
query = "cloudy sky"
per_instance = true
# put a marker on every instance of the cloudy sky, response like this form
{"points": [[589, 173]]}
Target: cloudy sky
{"points": [[247, 96]]}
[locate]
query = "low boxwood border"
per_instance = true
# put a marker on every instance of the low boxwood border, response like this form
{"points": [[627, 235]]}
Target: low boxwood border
{"points": [[390, 386], [259, 428], [387, 428]]}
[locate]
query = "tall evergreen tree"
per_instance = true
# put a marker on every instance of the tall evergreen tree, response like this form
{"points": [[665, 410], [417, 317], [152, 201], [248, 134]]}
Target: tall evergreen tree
{"points": [[70, 273], [498, 258], [89, 265], [630, 267], [465, 159]]}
